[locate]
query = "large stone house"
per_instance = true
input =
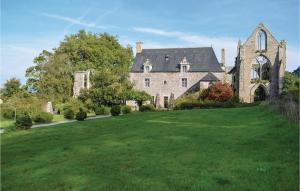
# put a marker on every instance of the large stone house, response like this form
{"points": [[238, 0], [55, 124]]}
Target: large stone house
{"points": [[259, 66], [172, 72]]}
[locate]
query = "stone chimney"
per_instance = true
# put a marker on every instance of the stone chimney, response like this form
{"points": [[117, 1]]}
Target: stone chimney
{"points": [[139, 47], [223, 57]]}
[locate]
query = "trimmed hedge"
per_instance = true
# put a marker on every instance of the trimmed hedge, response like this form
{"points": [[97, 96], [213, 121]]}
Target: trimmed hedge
{"points": [[43, 117], [101, 110], [24, 121], [115, 110], [148, 107], [207, 104], [69, 113], [81, 115], [126, 109]]}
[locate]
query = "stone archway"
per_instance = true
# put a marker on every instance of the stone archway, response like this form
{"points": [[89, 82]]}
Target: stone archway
{"points": [[259, 92]]}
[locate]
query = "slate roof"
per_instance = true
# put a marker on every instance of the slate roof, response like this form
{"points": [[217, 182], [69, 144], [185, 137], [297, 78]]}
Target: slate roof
{"points": [[200, 59], [209, 78], [232, 70]]}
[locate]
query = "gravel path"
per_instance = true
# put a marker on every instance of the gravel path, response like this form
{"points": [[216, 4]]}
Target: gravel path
{"points": [[68, 121]]}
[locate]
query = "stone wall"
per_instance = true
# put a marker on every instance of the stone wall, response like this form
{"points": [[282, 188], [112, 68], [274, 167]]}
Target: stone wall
{"points": [[247, 52], [173, 82], [81, 81]]}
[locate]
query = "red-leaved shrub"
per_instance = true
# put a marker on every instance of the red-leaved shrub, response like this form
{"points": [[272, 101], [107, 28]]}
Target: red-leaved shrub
{"points": [[220, 92]]}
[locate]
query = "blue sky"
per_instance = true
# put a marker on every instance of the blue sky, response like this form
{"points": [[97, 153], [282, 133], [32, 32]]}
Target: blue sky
{"points": [[28, 27]]}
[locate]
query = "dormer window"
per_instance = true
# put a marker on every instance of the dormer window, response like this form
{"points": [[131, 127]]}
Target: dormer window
{"points": [[184, 65], [147, 66], [166, 57]]}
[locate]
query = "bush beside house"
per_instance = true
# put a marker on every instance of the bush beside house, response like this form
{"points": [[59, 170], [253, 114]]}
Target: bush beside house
{"points": [[115, 110], [148, 107], [126, 109]]}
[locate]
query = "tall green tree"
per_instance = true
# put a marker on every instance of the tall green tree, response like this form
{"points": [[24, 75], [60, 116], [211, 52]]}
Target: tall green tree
{"points": [[10, 88], [291, 83], [52, 75]]}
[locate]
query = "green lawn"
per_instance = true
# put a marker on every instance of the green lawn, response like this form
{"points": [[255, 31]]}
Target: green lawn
{"points": [[217, 149], [6, 123]]}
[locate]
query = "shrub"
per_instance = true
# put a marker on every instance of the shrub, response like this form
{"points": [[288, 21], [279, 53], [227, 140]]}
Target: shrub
{"points": [[126, 109], [69, 113], [148, 107], [115, 110], [206, 104], [74, 104], [23, 121], [81, 115], [43, 117], [7, 111], [101, 110], [204, 94], [220, 92]]}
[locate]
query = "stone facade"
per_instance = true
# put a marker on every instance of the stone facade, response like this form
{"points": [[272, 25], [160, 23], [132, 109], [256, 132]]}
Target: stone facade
{"points": [[81, 81], [260, 63], [166, 74], [163, 84]]}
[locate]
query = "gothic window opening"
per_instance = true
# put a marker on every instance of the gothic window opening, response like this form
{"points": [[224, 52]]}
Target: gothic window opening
{"points": [[260, 69], [255, 72], [266, 72], [184, 68], [261, 40]]}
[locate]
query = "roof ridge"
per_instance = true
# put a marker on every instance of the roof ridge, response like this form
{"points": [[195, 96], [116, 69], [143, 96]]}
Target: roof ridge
{"points": [[177, 48]]}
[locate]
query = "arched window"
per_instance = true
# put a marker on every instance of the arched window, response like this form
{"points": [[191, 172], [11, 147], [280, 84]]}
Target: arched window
{"points": [[261, 40], [260, 69]]}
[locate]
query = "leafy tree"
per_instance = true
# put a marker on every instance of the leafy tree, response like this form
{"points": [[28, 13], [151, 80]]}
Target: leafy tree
{"points": [[11, 87], [109, 89], [297, 71], [140, 96], [291, 83], [52, 75]]}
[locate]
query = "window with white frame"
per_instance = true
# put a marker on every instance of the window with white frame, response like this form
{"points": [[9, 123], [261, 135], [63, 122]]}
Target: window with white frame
{"points": [[184, 82], [184, 68], [147, 82]]}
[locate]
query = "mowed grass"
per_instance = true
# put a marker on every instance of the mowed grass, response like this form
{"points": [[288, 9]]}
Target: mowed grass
{"points": [[214, 149]]}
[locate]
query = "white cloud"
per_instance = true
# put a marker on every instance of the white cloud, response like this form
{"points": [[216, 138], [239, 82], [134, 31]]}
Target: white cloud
{"points": [[75, 21], [230, 45]]}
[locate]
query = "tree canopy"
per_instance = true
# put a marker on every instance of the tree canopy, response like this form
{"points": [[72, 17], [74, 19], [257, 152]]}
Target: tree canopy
{"points": [[10, 88], [52, 75]]}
